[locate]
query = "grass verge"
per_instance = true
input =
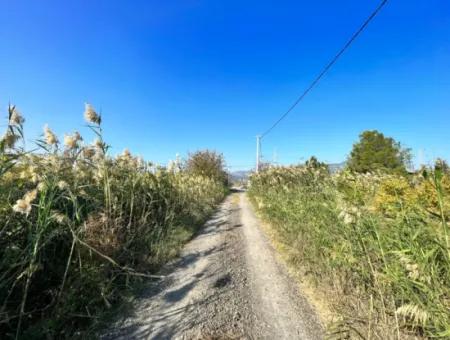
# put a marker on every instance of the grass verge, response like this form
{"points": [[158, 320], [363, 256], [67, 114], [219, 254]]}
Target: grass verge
{"points": [[376, 245]]}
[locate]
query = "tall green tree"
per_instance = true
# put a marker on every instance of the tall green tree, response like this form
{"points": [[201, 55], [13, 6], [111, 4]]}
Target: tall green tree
{"points": [[374, 151]]}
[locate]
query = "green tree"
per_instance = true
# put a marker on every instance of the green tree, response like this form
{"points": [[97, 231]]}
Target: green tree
{"points": [[374, 151], [207, 163], [314, 163]]}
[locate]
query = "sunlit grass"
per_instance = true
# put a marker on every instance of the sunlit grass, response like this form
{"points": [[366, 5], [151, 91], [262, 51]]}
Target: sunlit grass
{"points": [[78, 227], [376, 243]]}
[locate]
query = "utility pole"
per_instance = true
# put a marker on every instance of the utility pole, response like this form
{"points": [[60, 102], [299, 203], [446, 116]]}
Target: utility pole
{"points": [[258, 147]]}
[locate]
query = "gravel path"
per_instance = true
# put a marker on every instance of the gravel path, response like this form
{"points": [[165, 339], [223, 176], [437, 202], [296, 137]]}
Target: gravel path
{"points": [[227, 284]]}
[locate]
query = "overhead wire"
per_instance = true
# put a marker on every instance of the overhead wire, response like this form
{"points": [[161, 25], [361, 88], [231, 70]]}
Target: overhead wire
{"points": [[327, 67]]}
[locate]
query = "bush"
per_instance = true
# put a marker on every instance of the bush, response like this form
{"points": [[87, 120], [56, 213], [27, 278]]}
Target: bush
{"points": [[209, 164]]}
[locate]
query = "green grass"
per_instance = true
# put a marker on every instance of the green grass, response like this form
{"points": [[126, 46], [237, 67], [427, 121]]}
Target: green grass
{"points": [[376, 243]]}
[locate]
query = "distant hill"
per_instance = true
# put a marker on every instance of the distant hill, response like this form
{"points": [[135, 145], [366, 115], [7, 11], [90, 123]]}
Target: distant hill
{"points": [[335, 167], [239, 175]]}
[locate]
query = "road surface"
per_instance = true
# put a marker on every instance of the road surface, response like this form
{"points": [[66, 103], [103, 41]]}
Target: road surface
{"points": [[227, 284]]}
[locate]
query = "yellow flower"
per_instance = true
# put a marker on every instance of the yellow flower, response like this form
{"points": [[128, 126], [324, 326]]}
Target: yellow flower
{"points": [[90, 115], [50, 137]]}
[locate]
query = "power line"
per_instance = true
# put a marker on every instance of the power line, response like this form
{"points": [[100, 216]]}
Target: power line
{"points": [[328, 66]]}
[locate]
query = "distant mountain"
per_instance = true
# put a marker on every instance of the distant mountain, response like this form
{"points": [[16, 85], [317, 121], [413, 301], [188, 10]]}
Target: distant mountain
{"points": [[335, 167], [239, 175]]}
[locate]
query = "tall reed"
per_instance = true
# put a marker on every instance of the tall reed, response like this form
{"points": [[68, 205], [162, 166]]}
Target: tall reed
{"points": [[377, 245], [78, 227]]}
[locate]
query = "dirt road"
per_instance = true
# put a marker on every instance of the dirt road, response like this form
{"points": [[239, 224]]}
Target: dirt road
{"points": [[227, 284]]}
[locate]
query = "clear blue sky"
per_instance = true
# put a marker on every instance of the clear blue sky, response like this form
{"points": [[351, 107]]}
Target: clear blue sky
{"points": [[175, 76]]}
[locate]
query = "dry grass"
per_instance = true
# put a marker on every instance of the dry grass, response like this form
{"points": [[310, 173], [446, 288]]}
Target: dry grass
{"points": [[79, 228]]}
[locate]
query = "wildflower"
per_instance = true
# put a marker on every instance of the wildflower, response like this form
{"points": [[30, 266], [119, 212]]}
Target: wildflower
{"points": [[90, 115], [50, 137], [16, 118]]}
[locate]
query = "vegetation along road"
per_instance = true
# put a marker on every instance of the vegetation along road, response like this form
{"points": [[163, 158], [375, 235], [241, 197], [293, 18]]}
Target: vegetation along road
{"points": [[227, 283]]}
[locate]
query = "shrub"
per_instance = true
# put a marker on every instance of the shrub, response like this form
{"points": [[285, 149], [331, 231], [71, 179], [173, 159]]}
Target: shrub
{"points": [[207, 163]]}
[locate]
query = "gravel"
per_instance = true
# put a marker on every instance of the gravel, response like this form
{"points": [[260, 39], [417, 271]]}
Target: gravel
{"points": [[226, 284]]}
